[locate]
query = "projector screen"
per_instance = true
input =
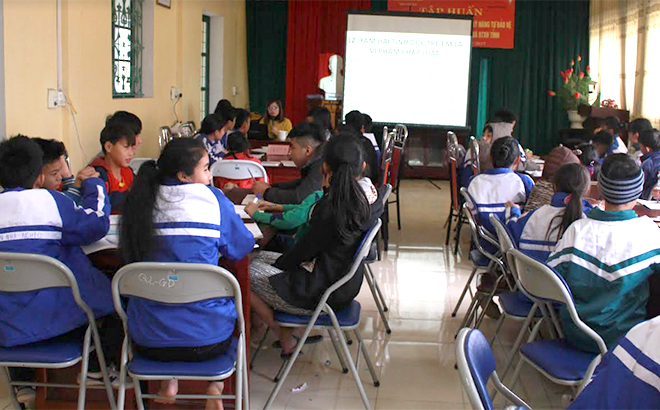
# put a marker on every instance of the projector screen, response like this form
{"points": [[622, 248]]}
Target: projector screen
{"points": [[408, 69]]}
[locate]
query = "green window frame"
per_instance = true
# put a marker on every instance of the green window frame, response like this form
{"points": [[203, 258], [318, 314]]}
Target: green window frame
{"points": [[127, 48], [204, 76]]}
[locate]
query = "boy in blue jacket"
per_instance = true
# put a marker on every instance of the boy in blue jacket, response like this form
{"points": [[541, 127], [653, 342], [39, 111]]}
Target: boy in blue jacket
{"points": [[649, 142], [46, 222]]}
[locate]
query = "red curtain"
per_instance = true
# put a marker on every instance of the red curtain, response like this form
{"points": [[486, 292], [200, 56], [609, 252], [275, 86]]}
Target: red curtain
{"points": [[313, 28]]}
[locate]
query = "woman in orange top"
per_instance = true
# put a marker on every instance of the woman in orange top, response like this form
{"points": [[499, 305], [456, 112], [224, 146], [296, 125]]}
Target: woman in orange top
{"points": [[238, 149]]}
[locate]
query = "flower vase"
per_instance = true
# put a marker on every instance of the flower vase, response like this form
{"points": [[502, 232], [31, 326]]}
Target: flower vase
{"points": [[575, 119]]}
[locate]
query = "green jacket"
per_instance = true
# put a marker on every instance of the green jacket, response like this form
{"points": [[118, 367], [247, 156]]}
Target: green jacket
{"points": [[292, 216]]}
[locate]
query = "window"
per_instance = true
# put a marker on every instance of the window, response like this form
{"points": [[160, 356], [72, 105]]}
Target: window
{"points": [[126, 48], [204, 94]]}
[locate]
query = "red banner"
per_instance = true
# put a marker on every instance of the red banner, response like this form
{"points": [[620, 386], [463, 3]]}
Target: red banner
{"points": [[494, 20]]}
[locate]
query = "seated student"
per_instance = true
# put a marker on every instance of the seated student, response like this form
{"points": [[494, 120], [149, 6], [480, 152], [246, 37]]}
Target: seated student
{"points": [[213, 134], [465, 170], [603, 142], [649, 142], [117, 142], [503, 125], [275, 120], [224, 108], [306, 144], [238, 149], [613, 126], [493, 188], [544, 188], [369, 133], [355, 120], [321, 116], [536, 233], [55, 170], [596, 254], [295, 281], [635, 128], [130, 119], [588, 156], [46, 222], [626, 378], [242, 123], [166, 199]]}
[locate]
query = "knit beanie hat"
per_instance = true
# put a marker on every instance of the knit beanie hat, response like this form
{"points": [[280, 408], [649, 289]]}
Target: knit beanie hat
{"points": [[558, 157], [620, 191]]}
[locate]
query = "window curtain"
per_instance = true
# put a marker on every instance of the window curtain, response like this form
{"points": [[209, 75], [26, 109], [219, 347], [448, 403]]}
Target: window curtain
{"points": [[625, 38], [314, 27], [266, 46]]}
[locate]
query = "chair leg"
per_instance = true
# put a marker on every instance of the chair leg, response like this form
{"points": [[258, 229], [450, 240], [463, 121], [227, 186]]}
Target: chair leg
{"points": [[385, 229], [465, 289], [459, 224], [138, 394], [12, 391], [349, 341], [472, 310], [398, 209], [448, 224], [121, 394], [518, 341], [347, 354], [246, 390], [102, 364], [367, 359], [261, 343], [378, 245], [380, 294], [333, 339], [371, 281], [82, 389], [500, 321]]}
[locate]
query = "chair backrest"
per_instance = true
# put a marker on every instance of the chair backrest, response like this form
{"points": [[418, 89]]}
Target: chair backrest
{"points": [[164, 136], [542, 283], [503, 235], [238, 169], [395, 166], [477, 230], [386, 155], [473, 146], [386, 194], [400, 135], [452, 164], [136, 163], [175, 283], [25, 272]]}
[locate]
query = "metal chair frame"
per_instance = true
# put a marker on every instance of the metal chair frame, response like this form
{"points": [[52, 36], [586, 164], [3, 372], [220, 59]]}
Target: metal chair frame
{"points": [[25, 272], [455, 208], [158, 282], [238, 169]]}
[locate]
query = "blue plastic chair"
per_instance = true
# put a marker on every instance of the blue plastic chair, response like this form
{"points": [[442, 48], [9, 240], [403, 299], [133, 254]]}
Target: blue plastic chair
{"points": [[25, 272], [335, 323], [556, 359], [476, 366], [180, 283]]}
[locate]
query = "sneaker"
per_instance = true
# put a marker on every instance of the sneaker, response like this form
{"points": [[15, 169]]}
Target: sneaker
{"points": [[26, 394], [96, 378]]}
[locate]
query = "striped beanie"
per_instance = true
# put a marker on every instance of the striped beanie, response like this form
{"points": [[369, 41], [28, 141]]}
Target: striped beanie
{"points": [[620, 191]]}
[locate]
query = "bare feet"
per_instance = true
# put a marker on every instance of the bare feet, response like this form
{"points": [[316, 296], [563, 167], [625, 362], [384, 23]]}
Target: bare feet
{"points": [[215, 388], [168, 389]]}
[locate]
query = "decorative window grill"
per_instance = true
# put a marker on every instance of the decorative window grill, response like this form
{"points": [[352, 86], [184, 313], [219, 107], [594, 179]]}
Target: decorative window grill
{"points": [[127, 48]]}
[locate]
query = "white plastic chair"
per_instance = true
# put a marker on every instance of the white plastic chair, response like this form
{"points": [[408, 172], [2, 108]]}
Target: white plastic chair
{"points": [[136, 163], [238, 169], [180, 283], [24, 272]]}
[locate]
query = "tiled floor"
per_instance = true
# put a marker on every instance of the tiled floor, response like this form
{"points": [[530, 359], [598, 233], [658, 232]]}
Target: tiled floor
{"points": [[421, 282]]}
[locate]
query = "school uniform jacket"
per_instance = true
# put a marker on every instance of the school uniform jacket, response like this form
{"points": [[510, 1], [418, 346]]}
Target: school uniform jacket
{"points": [[491, 190], [650, 167], [216, 149], [606, 260], [530, 231], [294, 192], [46, 222], [628, 377], [194, 223]]}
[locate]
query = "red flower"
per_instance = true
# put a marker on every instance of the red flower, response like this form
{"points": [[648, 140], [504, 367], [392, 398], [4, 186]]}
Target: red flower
{"points": [[565, 80], [588, 69], [579, 57], [581, 75], [572, 62], [576, 95], [552, 93]]}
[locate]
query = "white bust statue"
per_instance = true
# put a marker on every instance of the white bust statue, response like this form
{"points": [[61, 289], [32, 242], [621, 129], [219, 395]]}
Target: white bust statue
{"points": [[333, 85]]}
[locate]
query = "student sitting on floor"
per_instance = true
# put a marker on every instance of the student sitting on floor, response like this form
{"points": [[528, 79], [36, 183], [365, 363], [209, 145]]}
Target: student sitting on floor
{"points": [[117, 142], [493, 188], [168, 197], [306, 145], [606, 258], [536, 233], [649, 141], [213, 134], [55, 170], [295, 281], [46, 222], [544, 188], [239, 148]]}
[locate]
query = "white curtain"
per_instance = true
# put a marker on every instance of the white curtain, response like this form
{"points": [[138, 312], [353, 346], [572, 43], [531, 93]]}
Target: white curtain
{"points": [[625, 54]]}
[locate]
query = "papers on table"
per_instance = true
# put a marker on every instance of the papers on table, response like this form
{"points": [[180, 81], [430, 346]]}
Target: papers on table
{"points": [[290, 164], [109, 241], [534, 174], [248, 198], [258, 156], [652, 205], [261, 150], [240, 210], [254, 230], [271, 163]]}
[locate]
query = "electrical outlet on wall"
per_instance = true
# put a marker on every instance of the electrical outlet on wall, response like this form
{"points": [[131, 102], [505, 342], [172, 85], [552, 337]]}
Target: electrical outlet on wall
{"points": [[175, 92], [56, 98], [234, 90]]}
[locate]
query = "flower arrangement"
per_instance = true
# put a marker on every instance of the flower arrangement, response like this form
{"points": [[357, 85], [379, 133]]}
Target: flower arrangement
{"points": [[574, 90], [610, 103]]}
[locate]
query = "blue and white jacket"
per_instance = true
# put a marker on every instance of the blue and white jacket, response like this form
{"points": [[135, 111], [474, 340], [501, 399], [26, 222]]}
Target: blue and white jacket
{"points": [[46, 222], [530, 231], [606, 261], [491, 190], [651, 168], [216, 149], [628, 377], [195, 223]]}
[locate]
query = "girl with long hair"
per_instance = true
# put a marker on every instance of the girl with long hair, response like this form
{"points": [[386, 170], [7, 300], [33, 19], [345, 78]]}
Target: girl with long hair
{"points": [[275, 120], [172, 215]]}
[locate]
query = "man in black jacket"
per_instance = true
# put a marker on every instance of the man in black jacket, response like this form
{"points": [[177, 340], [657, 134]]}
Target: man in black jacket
{"points": [[306, 145]]}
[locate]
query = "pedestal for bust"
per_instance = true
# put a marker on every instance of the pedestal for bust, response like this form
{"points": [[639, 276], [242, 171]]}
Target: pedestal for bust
{"points": [[334, 106]]}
